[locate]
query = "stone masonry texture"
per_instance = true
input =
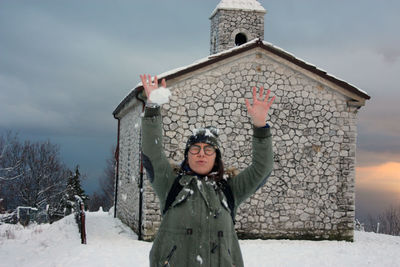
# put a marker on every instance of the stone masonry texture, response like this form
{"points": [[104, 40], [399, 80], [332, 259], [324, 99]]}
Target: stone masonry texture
{"points": [[129, 164], [310, 193], [225, 24]]}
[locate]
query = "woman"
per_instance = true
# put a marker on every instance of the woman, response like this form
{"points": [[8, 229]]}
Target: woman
{"points": [[197, 227]]}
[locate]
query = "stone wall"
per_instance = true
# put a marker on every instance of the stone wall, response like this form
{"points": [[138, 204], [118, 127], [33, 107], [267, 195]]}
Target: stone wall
{"points": [[129, 163], [310, 193], [225, 24], [151, 212]]}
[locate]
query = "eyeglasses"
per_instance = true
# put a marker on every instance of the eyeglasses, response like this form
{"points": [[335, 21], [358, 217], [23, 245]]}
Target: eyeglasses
{"points": [[208, 150]]}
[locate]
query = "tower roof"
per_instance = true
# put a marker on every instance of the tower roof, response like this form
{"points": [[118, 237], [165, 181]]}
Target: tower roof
{"points": [[248, 5]]}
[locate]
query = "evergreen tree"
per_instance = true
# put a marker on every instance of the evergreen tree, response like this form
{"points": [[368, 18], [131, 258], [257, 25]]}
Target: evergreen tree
{"points": [[72, 190]]}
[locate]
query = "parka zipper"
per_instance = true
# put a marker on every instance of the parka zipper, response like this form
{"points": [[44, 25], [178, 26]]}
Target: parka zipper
{"points": [[220, 235], [166, 263]]}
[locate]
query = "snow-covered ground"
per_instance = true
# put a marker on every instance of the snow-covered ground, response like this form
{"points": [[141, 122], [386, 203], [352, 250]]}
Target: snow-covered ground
{"points": [[111, 243]]}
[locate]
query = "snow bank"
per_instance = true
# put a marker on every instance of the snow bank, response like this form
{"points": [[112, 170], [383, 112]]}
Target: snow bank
{"points": [[111, 243], [369, 249]]}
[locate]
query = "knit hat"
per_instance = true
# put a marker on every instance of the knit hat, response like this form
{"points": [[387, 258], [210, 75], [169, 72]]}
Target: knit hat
{"points": [[208, 135]]}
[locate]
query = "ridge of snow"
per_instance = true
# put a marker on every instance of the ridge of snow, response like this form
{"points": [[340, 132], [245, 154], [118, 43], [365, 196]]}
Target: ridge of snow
{"points": [[312, 65], [202, 60], [205, 59]]}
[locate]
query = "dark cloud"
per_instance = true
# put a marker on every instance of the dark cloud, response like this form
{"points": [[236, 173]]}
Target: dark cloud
{"points": [[378, 130], [390, 53], [370, 158], [65, 65], [372, 202], [377, 141], [295, 24]]}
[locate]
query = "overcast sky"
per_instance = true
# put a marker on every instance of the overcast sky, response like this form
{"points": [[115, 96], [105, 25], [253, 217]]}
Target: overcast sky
{"points": [[66, 65]]}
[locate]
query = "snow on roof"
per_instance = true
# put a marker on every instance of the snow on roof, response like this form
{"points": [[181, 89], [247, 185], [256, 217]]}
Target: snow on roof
{"points": [[281, 50], [204, 59], [274, 49], [248, 5], [309, 64], [199, 61]]}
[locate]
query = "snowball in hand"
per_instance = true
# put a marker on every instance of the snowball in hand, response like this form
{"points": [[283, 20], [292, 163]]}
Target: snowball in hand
{"points": [[160, 96]]}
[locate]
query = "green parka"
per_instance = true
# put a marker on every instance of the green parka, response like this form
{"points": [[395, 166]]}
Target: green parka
{"points": [[197, 230]]}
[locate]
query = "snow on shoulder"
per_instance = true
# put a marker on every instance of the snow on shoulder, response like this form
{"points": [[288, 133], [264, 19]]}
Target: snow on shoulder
{"points": [[160, 96]]}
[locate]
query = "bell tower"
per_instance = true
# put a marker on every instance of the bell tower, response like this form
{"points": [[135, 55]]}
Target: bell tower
{"points": [[235, 22]]}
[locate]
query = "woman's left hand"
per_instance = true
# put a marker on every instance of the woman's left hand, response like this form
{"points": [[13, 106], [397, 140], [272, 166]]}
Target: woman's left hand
{"points": [[259, 111]]}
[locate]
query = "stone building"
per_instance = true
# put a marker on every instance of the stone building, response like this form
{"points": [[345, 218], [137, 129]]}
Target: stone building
{"points": [[310, 194]]}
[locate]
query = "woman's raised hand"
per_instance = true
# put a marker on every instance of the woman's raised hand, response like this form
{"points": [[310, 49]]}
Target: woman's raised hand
{"points": [[150, 84], [259, 110]]}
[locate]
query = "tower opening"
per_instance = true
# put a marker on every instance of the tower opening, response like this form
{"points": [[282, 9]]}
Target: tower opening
{"points": [[240, 39]]}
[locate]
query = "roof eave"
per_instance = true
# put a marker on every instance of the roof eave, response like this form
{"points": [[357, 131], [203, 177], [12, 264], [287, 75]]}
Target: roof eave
{"points": [[314, 70], [212, 59], [245, 47]]}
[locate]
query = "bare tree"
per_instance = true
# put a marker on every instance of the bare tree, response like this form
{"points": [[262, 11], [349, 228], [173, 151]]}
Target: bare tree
{"points": [[388, 222], [371, 224], [44, 176], [107, 182], [33, 174], [96, 201], [105, 197], [10, 157], [11, 151]]}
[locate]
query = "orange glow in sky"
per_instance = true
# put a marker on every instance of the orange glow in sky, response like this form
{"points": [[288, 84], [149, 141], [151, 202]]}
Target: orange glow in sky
{"points": [[384, 177]]}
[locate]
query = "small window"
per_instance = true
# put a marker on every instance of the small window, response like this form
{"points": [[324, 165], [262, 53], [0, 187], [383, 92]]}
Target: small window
{"points": [[240, 39], [214, 44]]}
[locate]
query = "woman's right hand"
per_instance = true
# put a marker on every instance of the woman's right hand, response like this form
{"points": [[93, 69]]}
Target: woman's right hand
{"points": [[151, 85]]}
